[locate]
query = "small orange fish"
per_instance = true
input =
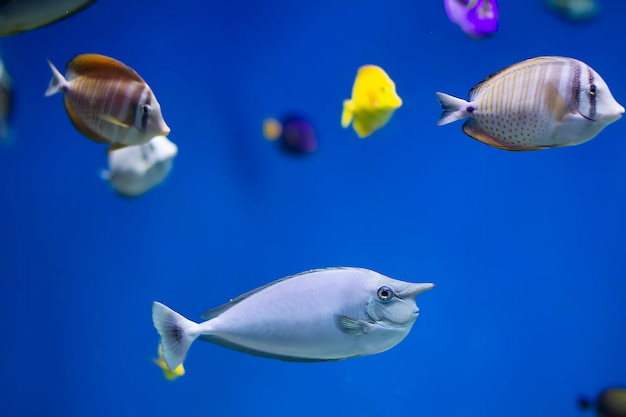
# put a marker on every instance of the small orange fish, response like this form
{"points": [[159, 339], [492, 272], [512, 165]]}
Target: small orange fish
{"points": [[108, 101]]}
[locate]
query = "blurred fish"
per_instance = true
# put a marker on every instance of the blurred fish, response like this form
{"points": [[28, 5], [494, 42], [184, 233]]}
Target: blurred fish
{"points": [[319, 315], [610, 403], [576, 10], [169, 374], [6, 103], [539, 103], [21, 15], [294, 134], [374, 99], [136, 169], [477, 18], [108, 101]]}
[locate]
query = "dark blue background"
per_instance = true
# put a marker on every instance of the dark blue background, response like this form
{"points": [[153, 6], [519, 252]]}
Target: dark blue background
{"points": [[526, 249]]}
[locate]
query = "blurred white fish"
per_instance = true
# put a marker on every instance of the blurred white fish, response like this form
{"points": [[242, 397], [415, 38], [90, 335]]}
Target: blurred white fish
{"points": [[320, 315], [6, 103], [539, 103], [21, 15], [136, 169]]}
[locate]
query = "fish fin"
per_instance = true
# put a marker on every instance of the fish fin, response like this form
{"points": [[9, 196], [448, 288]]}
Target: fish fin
{"points": [[58, 82], [113, 120], [116, 146], [177, 333], [347, 114], [555, 101], [352, 326], [240, 348], [103, 66], [473, 129], [532, 62], [82, 126], [453, 108]]}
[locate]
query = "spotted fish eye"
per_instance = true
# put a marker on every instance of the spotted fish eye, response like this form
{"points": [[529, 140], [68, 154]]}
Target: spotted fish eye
{"points": [[592, 89], [385, 293], [146, 109]]}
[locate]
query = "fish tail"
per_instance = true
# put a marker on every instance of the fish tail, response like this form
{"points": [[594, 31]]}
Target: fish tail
{"points": [[177, 333], [58, 82], [346, 116], [453, 109]]}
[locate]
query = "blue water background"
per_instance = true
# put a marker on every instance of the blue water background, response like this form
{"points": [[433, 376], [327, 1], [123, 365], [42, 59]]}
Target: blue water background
{"points": [[527, 249]]}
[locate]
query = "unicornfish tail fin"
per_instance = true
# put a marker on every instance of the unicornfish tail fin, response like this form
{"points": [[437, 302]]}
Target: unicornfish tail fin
{"points": [[177, 333], [348, 111], [58, 82], [453, 109]]}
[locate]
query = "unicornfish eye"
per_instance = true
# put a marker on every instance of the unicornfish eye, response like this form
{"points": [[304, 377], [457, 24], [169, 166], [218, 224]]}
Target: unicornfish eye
{"points": [[385, 293], [592, 89]]}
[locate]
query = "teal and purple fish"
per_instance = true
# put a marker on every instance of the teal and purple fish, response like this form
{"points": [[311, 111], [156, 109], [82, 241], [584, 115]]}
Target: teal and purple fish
{"points": [[477, 18]]}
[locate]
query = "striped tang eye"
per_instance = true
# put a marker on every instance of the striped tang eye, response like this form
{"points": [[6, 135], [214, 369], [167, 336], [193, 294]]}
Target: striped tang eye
{"points": [[385, 293], [592, 89]]}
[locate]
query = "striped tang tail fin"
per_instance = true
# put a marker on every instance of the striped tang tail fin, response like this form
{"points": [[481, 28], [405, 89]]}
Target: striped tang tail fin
{"points": [[58, 82], [453, 109]]}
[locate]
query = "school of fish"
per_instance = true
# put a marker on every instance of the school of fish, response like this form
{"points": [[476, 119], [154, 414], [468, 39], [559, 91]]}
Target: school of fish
{"points": [[332, 313]]}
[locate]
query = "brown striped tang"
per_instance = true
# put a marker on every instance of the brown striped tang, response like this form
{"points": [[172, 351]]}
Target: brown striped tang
{"points": [[539, 103], [108, 101]]}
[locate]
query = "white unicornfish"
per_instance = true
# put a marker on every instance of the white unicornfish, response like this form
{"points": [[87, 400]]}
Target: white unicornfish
{"points": [[320, 315], [136, 169], [539, 103]]}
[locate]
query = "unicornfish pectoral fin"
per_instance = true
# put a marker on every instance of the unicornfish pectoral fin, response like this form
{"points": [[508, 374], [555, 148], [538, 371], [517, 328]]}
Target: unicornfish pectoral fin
{"points": [[348, 112], [353, 326]]}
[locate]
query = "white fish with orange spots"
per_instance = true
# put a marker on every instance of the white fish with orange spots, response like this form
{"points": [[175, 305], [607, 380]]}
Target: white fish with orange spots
{"points": [[108, 102], [539, 103]]}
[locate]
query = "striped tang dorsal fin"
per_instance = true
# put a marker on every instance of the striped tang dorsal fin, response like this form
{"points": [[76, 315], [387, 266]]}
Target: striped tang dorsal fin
{"points": [[529, 63], [99, 66]]}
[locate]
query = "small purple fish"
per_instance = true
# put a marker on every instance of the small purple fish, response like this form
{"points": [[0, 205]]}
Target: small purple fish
{"points": [[477, 18], [294, 134]]}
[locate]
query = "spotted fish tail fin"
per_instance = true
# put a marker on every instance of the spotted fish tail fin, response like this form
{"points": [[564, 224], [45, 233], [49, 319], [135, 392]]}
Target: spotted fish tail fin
{"points": [[58, 82], [453, 109], [177, 334], [346, 116]]}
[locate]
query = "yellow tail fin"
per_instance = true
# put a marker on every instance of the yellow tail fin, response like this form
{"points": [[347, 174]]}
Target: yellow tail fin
{"points": [[346, 116]]}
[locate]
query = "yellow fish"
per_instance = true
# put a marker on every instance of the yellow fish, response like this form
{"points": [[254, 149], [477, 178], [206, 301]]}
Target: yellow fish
{"points": [[108, 101], [169, 374], [374, 99]]}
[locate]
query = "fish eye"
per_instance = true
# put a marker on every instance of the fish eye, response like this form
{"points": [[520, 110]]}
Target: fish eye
{"points": [[592, 89], [383, 89], [146, 109], [385, 293]]}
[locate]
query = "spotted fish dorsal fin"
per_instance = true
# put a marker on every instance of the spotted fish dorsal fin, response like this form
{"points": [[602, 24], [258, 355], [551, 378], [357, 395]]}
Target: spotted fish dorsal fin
{"points": [[214, 312], [82, 127], [472, 128], [100, 66], [532, 62]]}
